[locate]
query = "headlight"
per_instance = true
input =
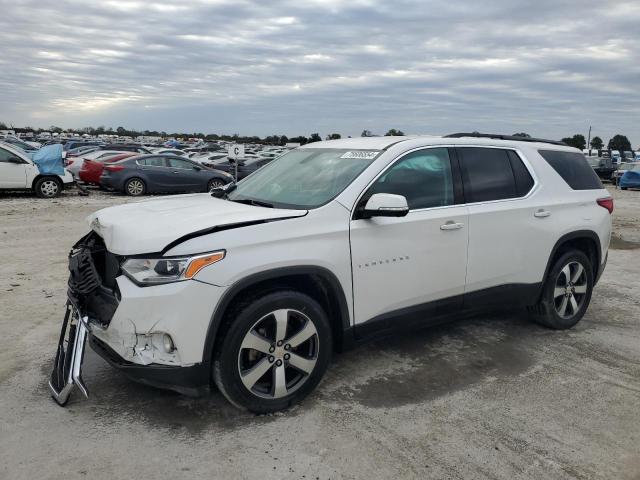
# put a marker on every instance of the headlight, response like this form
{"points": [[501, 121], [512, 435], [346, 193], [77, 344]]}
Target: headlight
{"points": [[156, 271]]}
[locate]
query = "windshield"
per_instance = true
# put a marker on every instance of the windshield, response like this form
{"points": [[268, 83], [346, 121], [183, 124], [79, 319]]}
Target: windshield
{"points": [[303, 179]]}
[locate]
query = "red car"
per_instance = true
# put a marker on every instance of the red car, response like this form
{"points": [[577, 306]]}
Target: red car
{"points": [[92, 169]]}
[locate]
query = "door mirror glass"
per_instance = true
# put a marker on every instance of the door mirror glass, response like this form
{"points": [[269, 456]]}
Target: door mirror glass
{"points": [[385, 205], [15, 160], [196, 168]]}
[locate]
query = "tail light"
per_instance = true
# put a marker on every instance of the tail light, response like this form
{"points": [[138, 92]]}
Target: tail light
{"points": [[114, 168], [67, 162], [606, 203]]}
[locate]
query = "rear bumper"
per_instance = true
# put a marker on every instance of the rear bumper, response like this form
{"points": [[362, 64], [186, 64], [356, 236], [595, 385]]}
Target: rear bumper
{"points": [[192, 380]]}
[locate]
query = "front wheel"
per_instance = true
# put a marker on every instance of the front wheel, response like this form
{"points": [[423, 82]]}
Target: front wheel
{"points": [[274, 352], [566, 293], [215, 183], [48, 187]]}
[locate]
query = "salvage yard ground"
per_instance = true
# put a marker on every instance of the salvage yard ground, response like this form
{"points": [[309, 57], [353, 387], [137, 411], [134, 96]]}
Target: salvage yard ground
{"points": [[488, 397]]}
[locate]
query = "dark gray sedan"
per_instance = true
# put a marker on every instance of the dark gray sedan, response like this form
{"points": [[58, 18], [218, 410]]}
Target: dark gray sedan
{"points": [[142, 174]]}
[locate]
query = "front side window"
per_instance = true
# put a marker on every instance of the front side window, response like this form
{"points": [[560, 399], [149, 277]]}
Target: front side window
{"points": [[422, 177], [304, 178], [486, 174]]}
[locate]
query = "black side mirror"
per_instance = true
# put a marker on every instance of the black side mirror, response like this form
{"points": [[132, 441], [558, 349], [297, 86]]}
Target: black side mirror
{"points": [[197, 168], [15, 160]]}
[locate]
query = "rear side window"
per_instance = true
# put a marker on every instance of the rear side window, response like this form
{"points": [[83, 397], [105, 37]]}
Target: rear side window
{"points": [[487, 174], [524, 180], [573, 168], [152, 162]]}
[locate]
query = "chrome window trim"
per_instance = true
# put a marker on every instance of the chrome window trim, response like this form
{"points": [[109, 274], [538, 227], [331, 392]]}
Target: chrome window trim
{"points": [[518, 152]]}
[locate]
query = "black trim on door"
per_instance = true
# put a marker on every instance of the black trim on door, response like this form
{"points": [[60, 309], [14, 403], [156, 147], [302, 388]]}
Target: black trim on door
{"points": [[448, 309]]}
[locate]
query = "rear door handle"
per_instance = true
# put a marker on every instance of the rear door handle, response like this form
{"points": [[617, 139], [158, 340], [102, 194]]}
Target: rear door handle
{"points": [[451, 225], [542, 213]]}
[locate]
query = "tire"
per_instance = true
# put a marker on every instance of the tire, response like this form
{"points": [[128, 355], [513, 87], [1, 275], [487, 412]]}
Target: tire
{"points": [[48, 187], [215, 183], [135, 187], [237, 367], [560, 309]]}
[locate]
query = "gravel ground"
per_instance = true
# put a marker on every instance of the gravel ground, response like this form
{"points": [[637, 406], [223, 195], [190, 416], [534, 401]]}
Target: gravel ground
{"points": [[489, 397]]}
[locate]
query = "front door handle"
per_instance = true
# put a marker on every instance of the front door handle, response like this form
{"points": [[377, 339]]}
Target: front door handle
{"points": [[451, 225], [542, 213]]}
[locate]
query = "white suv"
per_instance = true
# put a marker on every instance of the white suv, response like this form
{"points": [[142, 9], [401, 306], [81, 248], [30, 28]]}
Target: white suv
{"points": [[18, 172], [334, 243]]}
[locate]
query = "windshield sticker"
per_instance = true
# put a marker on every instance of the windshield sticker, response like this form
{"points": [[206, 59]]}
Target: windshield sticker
{"points": [[360, 154]]}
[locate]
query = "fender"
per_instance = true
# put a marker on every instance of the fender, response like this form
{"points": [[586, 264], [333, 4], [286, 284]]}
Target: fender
{"points": [[590, 234], [325, 274]]}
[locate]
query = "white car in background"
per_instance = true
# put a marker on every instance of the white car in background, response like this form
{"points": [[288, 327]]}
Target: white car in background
{"points": [[18, 172], [74, 164], [169, 151]]}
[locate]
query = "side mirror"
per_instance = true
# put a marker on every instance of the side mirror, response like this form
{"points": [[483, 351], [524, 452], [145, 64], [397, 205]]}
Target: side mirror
{"points": [[385, 205], [15, 160], [197, 168]]}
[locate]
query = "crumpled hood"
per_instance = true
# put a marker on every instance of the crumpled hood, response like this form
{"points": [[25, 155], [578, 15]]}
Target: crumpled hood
{"points": [[150, 225]]}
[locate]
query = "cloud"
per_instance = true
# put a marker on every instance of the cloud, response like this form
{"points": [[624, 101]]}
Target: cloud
{"points": [[551, 68]]}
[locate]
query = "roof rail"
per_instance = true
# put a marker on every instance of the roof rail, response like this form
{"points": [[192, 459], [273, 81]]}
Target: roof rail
{"points": [[504, 137]]}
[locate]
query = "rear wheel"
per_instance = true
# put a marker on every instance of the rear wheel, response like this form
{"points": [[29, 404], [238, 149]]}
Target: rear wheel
{"points": [[48, 187], [135, 187], [274, 352], [215, 183], [567, 291]]}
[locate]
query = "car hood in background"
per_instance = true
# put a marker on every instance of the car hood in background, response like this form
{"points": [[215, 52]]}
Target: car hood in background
{"points": [[151, 225]]}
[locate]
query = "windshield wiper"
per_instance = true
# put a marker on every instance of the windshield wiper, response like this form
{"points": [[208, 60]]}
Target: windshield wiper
{"points": [[222, 192], [251, 201]]}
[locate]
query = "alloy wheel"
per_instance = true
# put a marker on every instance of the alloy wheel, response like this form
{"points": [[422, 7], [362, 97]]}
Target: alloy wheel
{"points": [[213, 184], [278, 354], [135, 187], [570, 289]]}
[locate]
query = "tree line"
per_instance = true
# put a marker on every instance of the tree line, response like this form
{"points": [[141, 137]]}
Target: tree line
{"points": [[617, 142]]}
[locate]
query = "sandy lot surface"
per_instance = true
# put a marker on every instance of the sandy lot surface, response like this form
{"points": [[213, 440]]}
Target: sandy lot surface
{"points": [[488, 397]]}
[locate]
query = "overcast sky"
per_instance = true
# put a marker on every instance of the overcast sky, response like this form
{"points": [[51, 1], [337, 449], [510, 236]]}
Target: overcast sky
{"points": [[547, 67]]}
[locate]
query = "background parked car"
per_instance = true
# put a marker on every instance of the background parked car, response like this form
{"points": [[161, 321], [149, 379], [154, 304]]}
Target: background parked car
{"points": [[18, 172], [631, 177], [16, 142], [126, 147], [92, 169], [169, 151], [74, 164], [246, 166], [603, 167], [620, 171], [157, 173]]}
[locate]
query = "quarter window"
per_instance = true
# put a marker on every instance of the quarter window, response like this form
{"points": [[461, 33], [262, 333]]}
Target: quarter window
{"points": [[422, 177], [573, 168], [487, 174]]}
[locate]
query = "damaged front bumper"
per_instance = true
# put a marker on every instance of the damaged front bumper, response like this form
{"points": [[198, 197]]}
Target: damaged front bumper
{"points": [[67, 367]]}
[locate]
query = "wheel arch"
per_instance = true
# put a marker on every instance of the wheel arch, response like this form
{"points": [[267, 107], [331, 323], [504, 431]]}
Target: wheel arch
{"points": [[587, 241], [53, 177], [317, 282]]}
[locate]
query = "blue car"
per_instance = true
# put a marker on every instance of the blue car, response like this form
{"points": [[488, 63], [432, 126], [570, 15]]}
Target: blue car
{"points": [[631, 177]]}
